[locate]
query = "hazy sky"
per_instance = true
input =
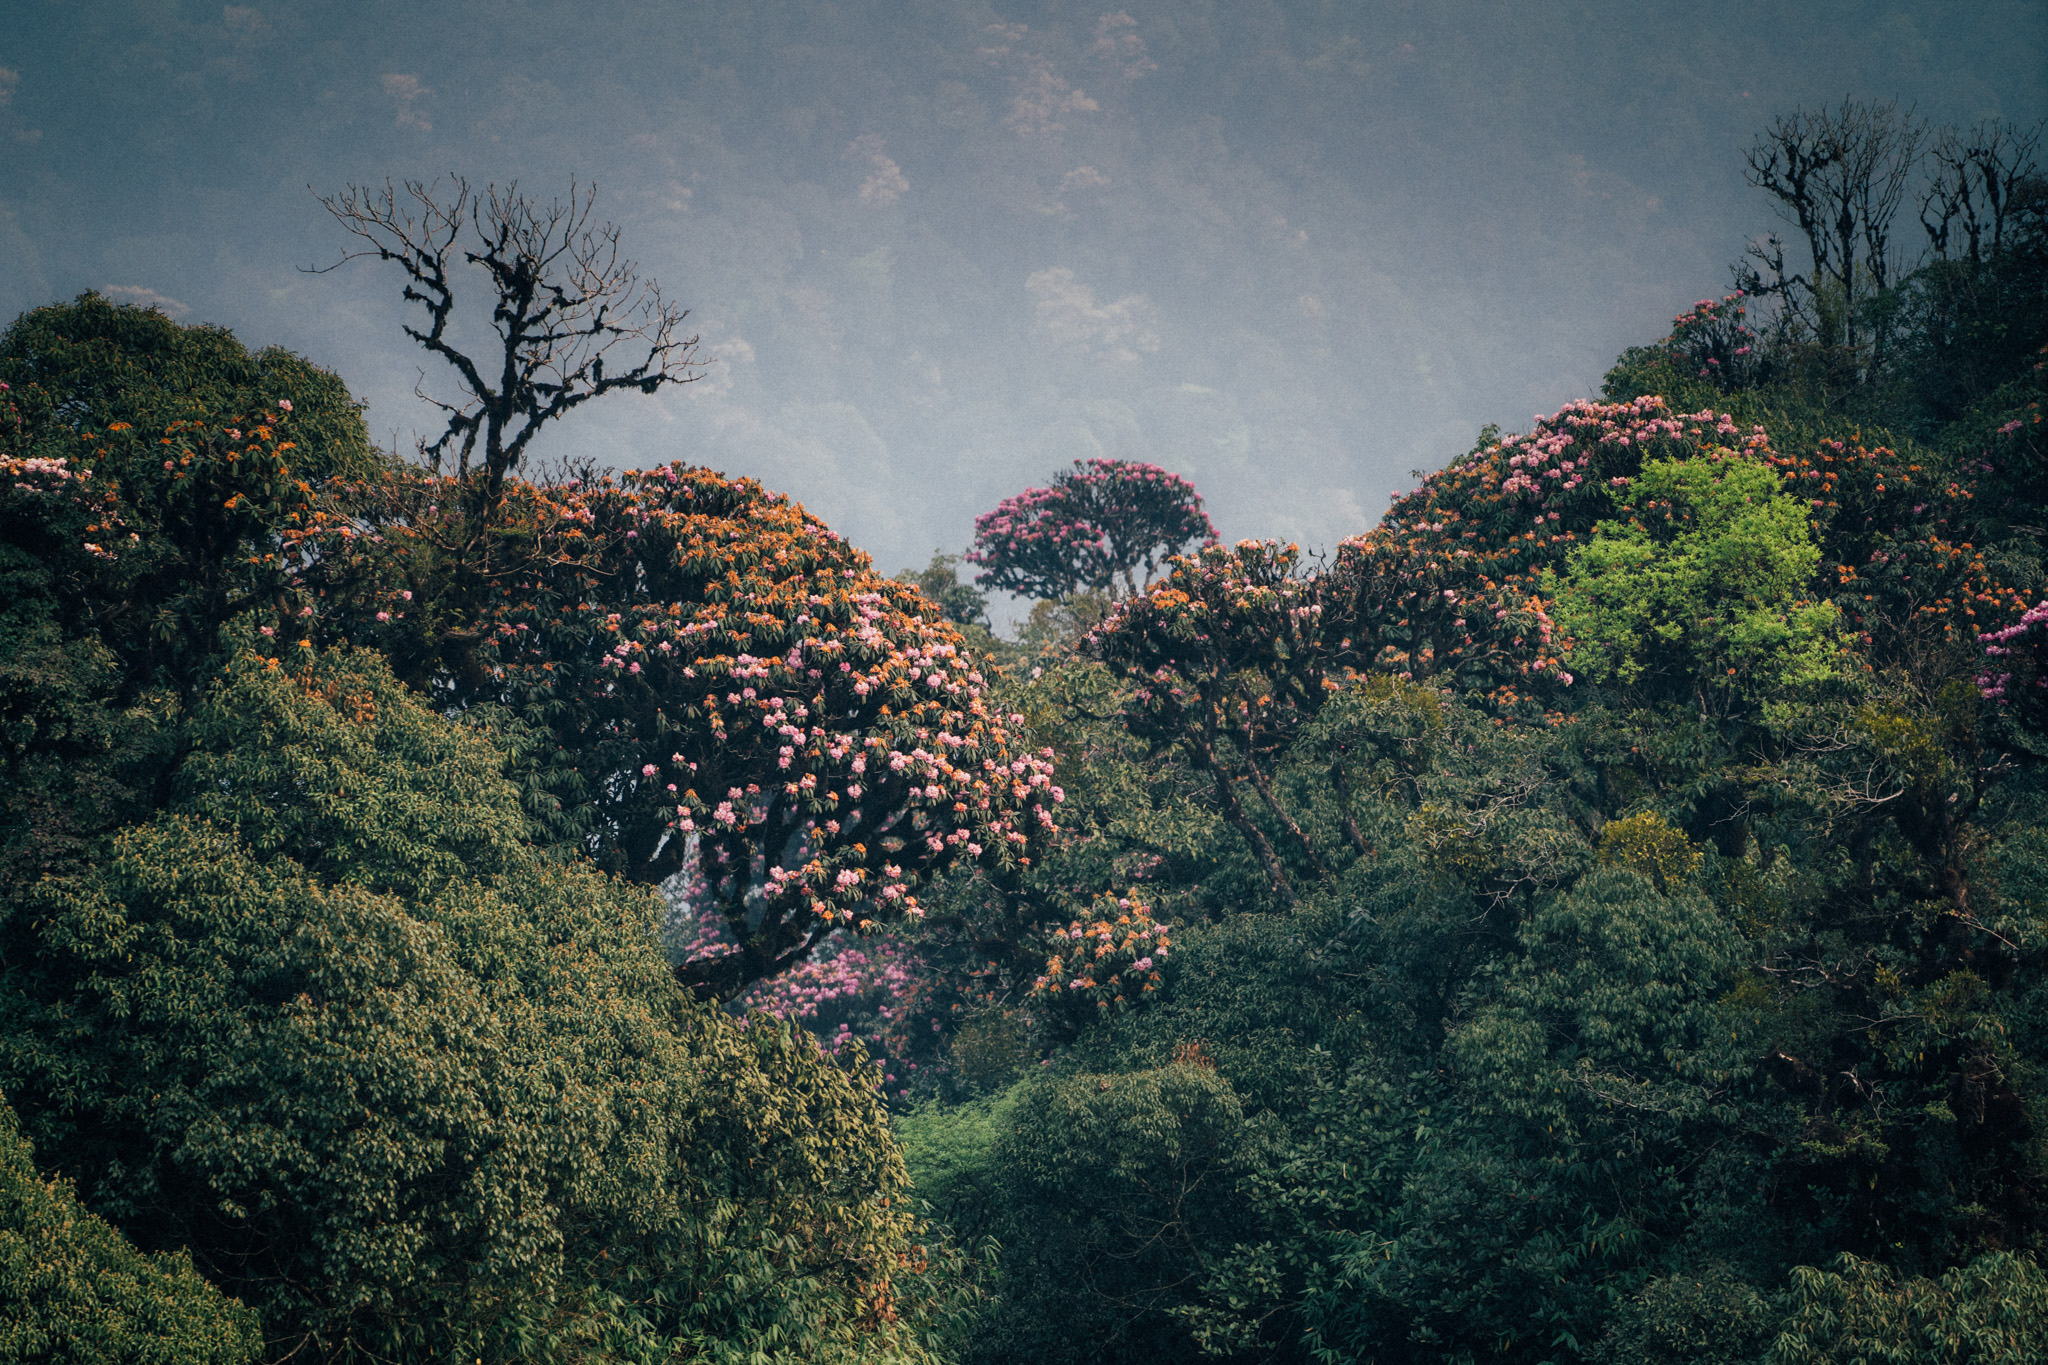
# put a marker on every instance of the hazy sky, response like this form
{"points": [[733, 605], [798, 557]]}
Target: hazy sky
{"points": [[938, 249]]}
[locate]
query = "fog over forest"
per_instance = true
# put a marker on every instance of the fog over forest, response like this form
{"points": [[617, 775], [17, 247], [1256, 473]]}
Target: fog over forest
{"points": [[1292, 251]]}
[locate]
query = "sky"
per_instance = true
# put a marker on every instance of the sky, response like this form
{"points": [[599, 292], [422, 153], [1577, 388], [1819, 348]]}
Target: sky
{"points": [[934, 251]]}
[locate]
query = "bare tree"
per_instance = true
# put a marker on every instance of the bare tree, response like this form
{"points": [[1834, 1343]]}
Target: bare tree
{"points": [[567, 303], [1975, 196], [1840, 176]]}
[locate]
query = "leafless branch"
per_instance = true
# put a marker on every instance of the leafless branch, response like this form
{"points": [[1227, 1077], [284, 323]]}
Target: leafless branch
{"points": [[1971, 202], [1839, 176], [567, 303]]}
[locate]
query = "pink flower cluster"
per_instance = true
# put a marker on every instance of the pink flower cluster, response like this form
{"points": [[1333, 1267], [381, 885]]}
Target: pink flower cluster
{"points": [[873, 971], [1111, 958], [1712, 341], [1604, 443], [54, 478], [1095, 527], [2026, 642], [768, 714]]}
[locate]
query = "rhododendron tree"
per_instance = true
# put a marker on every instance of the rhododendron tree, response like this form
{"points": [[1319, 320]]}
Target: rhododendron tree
{"points": [[1108, 959], [730, 692], [1095, 528], [1236, 652], [153, 539], [1449, 586], [1899, 555], [1712, 340], [1227, 656], [1896, 555]]}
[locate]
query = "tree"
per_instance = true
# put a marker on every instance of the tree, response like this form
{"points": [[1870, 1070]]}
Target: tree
{"points": [[1714, 341], [940, 581], [73, 1290], [1235, 653], [196, 452], [1450, 585], [565, 302], [1977, 314], [413, 1090], [1993, 1311], [1707, 586], [1094, 528], [726, 693], [86, 368], [1978, 197], [151, 468], [1111, 1186], [1840, 177]]}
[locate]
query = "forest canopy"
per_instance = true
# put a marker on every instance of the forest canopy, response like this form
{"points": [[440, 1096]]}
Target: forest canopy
{"points": [[1595, 914]]}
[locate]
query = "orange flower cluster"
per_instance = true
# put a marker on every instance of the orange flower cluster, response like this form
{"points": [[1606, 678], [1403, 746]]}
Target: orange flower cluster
{"points": [[739, 698], [1897, 557], [159, 538], [1109, 960]]}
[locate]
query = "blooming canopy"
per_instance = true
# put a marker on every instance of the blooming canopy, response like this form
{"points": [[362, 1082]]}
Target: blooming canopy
{"points": [[1094, 528], [722, 688]]}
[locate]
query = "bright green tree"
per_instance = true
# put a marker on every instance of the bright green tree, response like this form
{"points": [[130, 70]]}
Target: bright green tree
{"points": [[1705, 589]]}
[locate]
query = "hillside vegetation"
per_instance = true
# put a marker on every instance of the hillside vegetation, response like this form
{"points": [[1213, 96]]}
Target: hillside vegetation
{"points": [[1597, 914]]}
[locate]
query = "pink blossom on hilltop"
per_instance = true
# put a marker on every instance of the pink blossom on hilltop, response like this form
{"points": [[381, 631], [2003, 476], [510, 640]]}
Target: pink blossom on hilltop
{"points": [[1095, 527], [701, 635], [1712, 340]]}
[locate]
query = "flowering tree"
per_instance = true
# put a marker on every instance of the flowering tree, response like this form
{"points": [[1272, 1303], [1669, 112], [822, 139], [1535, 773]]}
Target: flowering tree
{"points": [[1109, 958], [1451, 587], [1900, 557], [190, 450], [1228, 654], [2019, 651], [1712, 340], [723, 689], [1095, 528], [1236, 654]]}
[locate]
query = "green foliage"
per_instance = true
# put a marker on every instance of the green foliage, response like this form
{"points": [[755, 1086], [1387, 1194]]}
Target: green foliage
{"points": [[1058, 625], [409, 1089], [1113, 1183], [95, 365], [1704, 589], [1707, 1316], [149, 470], [1648, 844], [1993, 1311], [992, 1049], [940, 581], [951, 1154], [74, 1291]]}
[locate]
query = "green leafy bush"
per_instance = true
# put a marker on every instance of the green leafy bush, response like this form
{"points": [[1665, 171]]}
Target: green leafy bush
{"points": [[411, 1090], [74, 1292]]}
